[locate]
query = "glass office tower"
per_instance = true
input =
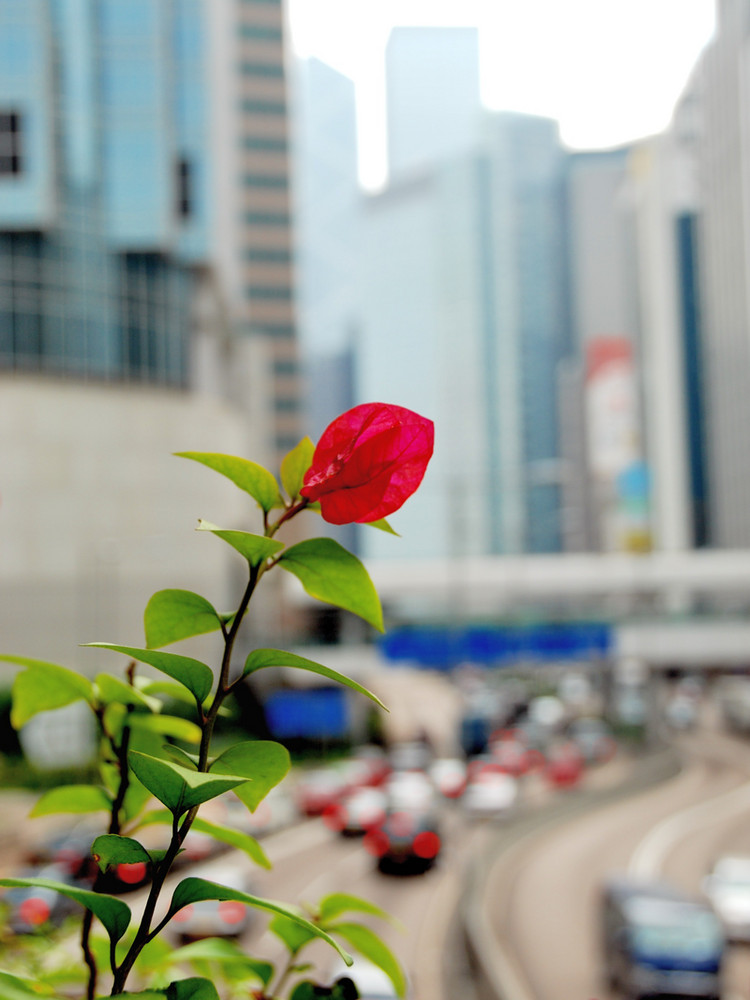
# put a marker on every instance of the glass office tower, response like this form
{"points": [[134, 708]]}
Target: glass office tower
{"points": [[103, 186]]}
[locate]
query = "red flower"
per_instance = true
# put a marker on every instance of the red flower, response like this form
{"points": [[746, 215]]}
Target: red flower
{"points": [[368, 462]]}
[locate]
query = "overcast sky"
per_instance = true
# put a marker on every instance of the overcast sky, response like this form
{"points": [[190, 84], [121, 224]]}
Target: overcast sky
{"points": [[608, 70]]}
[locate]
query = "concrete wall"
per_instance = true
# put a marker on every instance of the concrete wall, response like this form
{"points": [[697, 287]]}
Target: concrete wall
{"points": [[96, 514]]}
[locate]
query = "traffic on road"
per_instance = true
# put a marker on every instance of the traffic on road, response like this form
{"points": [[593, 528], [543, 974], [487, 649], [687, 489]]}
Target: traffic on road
{"points": [[584, 882]]}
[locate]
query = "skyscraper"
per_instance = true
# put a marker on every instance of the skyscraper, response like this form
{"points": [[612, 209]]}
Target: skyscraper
{"points": [[103, 186], [263, 306], [724, 251], [465, 319], [604, 328], [145, 273], [432, 95]]}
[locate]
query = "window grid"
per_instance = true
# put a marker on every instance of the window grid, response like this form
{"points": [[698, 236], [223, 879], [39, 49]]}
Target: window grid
{"points": [[11, 159]]}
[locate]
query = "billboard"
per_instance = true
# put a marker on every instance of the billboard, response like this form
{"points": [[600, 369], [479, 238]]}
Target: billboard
{"points": [[615, 459]]}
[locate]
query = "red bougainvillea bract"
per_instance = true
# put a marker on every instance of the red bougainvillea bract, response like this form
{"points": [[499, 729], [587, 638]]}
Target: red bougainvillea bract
{"points": [[368, 462]]}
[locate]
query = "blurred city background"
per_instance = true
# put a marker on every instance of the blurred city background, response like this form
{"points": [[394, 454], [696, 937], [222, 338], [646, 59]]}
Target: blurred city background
{"points": [[223, 222]]}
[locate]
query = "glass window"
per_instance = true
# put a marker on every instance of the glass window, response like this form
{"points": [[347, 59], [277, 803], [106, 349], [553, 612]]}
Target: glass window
{"points": [[267, 107], [274, 70], [265, 180], [184, 190], [268, 292], [268, 255], [11, 158], [267, 218], [262, 32]]}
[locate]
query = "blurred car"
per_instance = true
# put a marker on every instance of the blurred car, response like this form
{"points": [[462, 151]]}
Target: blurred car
{"points": [[510, 753], [199, 847], [412, 755], [491, 794], [70, 851], [407, 840], [357, 811], [660, 941], [375, 761], [317, 789], [448, 775], [370, 981], [409, 756], [410, 790], [277, 810], [212, 917], [564, 765], [34, 909], [728, 890], [681, 712], [593, 737]]}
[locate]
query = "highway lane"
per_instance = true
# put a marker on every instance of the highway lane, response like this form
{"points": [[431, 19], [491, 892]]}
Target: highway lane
{"points": [[310, 860], [541, 898], [422, 905]]}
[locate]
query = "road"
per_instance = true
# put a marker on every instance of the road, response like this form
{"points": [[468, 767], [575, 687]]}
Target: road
{"points": [[541, 897], [310, 860]]}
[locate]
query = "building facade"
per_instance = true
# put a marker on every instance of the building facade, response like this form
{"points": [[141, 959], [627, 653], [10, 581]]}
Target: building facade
{"points": [[104, 191], [724, 247], [263, 306], [464, 317], [146, 302]]}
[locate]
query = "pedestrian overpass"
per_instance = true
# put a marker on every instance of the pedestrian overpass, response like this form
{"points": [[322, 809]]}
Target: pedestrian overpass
{"points": [[677, 609]]}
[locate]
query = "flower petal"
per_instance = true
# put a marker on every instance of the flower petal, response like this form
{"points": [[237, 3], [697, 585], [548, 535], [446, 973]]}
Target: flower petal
{"points": [[368, 462]]}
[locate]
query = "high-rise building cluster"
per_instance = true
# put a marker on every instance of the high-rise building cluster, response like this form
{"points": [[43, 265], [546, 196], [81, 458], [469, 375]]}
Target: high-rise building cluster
{"points": [[576, 321], [183, 238], [146, 296]]}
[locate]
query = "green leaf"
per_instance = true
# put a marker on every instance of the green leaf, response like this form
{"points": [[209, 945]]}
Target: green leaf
{"points": [[263, 762], [179, 788], [43, 687], [112, 912], [192, 989], [368, 944], [109, 849], [20, 988], [223, 952], [172, 615], [293, 934], [255, 548], [260, 658], [295, 465], [180, 756], [249, 476], [382, 525], [235, 838], [72, 799], [330, 573], [193, 890], [336, 903], [195, 675], [175, 692], [168, 725], [224, 834], [112, 688], [136, 799]]}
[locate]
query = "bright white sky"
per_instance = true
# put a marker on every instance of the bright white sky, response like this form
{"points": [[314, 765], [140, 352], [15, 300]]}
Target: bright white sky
{"points": [[608, 70]]}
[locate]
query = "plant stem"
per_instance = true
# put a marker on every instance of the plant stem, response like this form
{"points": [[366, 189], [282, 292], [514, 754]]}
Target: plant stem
{"points": [[180, 831], [121, 755]]}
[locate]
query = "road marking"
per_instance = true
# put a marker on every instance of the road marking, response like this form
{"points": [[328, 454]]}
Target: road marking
{"points": [[648, 857]]}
